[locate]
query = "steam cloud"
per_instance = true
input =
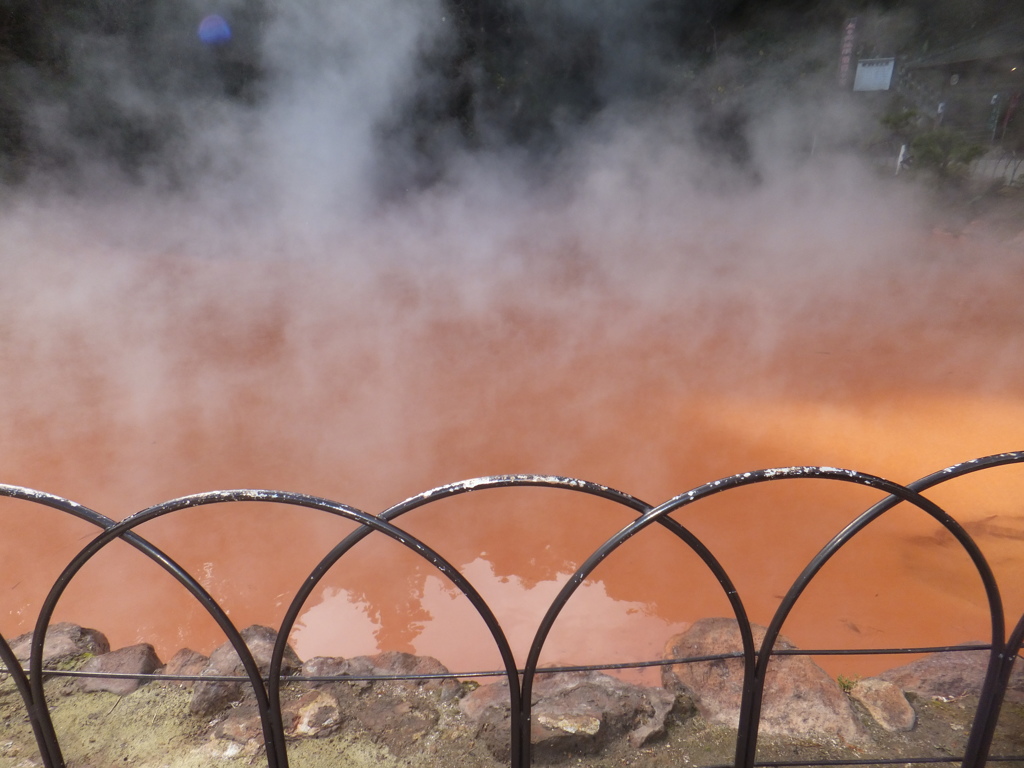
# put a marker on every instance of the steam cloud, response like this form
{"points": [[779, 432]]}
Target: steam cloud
{"points": [[339, 254], [701, 195]]}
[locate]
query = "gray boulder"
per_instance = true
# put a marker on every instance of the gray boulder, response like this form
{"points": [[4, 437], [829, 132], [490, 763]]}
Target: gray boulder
{"points": [[396, 713], [209, 697], [573, 713], [184, 662], [800, 699], [885, 702], [385, 664], [63, 641], [315, 713], [312, 714], [951, 676], [133, 660]]}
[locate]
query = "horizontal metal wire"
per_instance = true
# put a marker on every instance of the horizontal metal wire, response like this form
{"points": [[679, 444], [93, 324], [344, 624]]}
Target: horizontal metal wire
{"points": [[893, 761], [500, 672]]}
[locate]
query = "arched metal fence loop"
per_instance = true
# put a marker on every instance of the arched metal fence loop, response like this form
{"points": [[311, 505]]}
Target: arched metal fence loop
{"points": [[994, 687], [654, 515], [124, 530], [899, 493], [580, 575], [519, 708], [38, 709], [372, 524], [1001, 660], [521, 714]]}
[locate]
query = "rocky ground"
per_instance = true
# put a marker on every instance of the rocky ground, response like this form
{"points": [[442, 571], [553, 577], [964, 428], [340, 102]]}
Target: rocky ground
{"points": [[580, 718], [981, 209]]}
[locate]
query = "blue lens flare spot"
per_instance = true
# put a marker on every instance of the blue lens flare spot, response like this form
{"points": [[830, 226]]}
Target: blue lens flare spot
{"points": [[214, 30]]}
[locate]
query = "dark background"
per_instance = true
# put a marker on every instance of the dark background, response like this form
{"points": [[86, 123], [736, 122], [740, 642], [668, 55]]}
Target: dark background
{"points": [[505, 77]]}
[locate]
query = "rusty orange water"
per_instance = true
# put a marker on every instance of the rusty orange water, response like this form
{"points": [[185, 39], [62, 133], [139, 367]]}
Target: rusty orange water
{"points": [[181, 375]]}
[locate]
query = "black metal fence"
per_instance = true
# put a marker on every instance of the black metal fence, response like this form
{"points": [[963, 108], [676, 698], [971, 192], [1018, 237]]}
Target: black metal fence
{"points": [[1003, 648]]}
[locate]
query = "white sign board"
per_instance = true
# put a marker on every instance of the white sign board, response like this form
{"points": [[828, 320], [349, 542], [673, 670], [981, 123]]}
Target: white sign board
{"points": [[873, 74]]}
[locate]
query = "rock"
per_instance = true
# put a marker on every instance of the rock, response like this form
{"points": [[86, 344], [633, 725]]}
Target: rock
{"points": [[395, 719], [952, 675], [397, 713], [242, 725], [209, 697], [573, 713], [63, 641], [134, 660], [315, 713], [184, 662], [662, 703], [387, 663], [397, 663], [800, 699], [885, 702], [331, 666]]}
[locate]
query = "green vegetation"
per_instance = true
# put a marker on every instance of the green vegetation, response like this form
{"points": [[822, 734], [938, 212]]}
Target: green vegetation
{"points": [[900, 123], [847, 683], [945, 151]]}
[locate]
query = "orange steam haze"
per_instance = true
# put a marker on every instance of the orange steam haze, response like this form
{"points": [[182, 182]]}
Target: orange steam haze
{"points": [[647, 340]]}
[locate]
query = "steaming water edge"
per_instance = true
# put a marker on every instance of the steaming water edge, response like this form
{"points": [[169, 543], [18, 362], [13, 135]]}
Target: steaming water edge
{"points": [[137, 375]]}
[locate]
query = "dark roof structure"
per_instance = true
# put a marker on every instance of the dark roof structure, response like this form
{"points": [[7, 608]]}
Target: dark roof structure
{"points": [[1004, 42]]}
